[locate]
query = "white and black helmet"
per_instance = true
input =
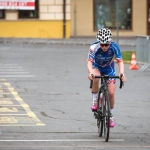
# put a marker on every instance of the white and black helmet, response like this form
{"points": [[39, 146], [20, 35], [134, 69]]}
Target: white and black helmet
{"points": [[104, 36]]}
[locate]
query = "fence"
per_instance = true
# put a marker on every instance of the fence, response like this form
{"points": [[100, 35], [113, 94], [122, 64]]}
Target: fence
{"points": [[143, 52]]}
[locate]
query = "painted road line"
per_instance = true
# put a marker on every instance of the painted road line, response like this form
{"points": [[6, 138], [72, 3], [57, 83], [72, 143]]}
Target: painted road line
{"points": [[5, 93], [24, 105], [7, 99], [13, 69], [9, 64], [7, 67], [16, 76], [14, 72], [13, 115], [6, 109], [6, 103], [18, 125], [98, 146], [16, 120], [5, 88], [66, 140], [2, 105]]}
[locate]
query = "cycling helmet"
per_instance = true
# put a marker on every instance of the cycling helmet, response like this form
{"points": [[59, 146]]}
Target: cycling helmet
{"points": [[104, 36]]}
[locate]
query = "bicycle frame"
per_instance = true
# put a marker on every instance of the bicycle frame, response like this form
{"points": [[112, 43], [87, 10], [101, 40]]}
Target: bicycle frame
{"points": [[103, 112]]}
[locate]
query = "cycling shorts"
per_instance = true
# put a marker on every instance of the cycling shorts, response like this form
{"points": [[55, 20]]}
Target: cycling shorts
{"points": [[110, 72]]}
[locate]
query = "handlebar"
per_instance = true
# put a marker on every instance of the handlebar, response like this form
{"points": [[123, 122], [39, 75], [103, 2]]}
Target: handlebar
{"points": [[106, 76]]}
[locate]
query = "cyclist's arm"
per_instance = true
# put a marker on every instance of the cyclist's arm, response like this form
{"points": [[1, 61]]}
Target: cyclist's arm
{"points": [[121, 66], [89, 66], [91, 56], [121, 70]]}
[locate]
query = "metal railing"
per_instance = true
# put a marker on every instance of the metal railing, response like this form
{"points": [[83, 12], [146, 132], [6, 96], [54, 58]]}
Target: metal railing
{"points": [[143, 52]]}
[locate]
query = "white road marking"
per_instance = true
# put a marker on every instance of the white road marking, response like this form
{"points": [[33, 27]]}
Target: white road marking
{"points": [[13, 114], [14, 72], [7, 67], [8, 70], [13, 76], [9, 64], [66, 140]]}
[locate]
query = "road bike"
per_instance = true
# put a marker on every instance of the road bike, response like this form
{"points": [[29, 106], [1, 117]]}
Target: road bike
{"points": [[102, 114]]}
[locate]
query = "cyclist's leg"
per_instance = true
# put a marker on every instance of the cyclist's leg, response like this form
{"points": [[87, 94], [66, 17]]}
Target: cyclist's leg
{"points": [[94, 89], [111, 89], [95, 81]]}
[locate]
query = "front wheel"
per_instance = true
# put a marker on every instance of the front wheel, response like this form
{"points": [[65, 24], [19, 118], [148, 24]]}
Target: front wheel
{"points": [[100, 119], [106, 112]]}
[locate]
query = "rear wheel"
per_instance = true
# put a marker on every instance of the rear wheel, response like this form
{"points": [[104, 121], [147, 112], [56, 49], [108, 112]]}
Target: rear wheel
{"points": [[106, 112]]}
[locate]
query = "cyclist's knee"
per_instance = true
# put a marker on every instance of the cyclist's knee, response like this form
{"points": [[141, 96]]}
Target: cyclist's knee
{"points": [[111, 94], [96, 81]]}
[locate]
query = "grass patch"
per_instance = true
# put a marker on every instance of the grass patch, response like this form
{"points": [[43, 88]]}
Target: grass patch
{"points": [[127, 55]]}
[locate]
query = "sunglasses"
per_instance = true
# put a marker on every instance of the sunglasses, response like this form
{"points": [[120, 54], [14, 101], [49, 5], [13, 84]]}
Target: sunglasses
{"points": [[102, 45]]}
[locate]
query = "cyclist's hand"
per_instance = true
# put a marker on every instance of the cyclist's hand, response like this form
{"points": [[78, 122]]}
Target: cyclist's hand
{"points": [[123, 77], [91, 76]]}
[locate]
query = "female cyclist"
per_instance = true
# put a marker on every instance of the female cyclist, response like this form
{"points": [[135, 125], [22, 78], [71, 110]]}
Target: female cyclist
{"points": [[101, 61]]}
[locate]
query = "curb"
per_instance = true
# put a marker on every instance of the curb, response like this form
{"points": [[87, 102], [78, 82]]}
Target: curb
{"points": [[53, 41]]}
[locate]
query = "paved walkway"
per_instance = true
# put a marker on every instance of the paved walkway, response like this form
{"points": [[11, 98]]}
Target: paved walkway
{"points": [[72, 41]]}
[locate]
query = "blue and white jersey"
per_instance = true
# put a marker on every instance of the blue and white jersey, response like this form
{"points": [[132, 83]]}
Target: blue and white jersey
{"points": [[104, 60]]}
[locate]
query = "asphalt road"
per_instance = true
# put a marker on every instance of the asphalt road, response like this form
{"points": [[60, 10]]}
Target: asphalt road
{"points": [[45, 101]]}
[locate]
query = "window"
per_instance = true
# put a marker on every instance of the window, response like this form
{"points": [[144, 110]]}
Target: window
{"points": [[105, 14], [25, 14], [2, 16]]}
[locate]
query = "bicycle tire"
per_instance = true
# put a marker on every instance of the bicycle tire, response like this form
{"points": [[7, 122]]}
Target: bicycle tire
{"points": [[106, 113], [100, 119]]}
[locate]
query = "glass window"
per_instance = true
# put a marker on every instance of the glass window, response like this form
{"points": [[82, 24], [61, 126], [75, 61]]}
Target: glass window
{"points": [[2, 15], [105, 14], [25, 14]]}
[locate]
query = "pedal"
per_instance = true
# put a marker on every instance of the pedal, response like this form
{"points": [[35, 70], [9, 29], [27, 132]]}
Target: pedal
{"points": [[96, 115]]}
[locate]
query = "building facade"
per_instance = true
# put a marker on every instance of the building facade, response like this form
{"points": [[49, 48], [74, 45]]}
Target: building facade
{"points": [[45, 21], [19, 19], [89, 15]]}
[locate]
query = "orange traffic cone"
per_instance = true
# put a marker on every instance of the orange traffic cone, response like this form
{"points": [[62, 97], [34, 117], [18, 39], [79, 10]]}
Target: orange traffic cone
{"points": [[133, 64]]}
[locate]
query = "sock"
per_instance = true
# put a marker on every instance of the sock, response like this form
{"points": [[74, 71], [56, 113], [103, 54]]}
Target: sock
{"points": [[94, 96], [111, 110]]}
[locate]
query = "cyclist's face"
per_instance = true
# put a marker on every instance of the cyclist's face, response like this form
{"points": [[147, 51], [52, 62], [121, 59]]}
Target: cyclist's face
{"points": [[104, 47]]}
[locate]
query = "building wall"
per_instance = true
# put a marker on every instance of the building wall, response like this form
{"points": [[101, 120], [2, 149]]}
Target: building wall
{"points": [[82, 20], [49, 24]]}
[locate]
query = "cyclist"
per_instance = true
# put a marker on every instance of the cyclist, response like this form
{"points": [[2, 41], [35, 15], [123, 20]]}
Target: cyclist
{"points": [[101, 61]]}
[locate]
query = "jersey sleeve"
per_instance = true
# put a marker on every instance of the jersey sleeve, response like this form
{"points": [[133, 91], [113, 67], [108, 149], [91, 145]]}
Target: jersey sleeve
{"points": [[91, 55], [118, 53]]}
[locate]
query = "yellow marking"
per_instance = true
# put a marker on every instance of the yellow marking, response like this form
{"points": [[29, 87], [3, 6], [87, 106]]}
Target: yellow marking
{"points": [[2, 79], [5, 93], [6, 99], [13, 115], [8, 109], [40, 124], [6, 102], [18, 125], [9, 105], [7, 84], [17, 119], [32, 116], [14, 93], [8, 120], [6, 88]]}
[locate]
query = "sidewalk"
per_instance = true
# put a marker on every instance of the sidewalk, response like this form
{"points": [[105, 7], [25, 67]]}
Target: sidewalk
{"points": [[123, 41]]}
